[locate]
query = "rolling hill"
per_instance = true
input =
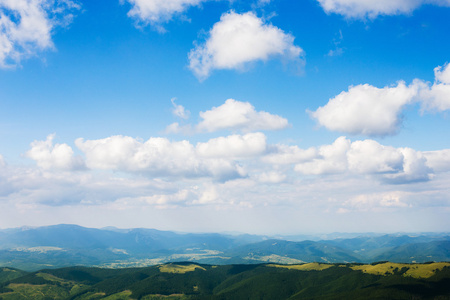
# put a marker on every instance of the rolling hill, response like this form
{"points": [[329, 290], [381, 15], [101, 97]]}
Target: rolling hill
{"points": [[260, 281]]}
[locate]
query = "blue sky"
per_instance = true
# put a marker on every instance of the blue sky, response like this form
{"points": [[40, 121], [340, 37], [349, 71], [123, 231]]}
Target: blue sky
{"points": [[255, 116]]}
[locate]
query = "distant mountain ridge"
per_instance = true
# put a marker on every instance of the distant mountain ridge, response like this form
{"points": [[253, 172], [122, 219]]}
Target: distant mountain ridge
{"points": [[68, 245]]}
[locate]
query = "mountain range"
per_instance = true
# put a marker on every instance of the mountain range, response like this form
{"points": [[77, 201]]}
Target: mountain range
{"points": [[68, 245]]}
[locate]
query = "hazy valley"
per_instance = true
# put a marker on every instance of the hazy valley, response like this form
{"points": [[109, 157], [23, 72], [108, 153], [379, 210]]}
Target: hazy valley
{"points": [[58, 246]]}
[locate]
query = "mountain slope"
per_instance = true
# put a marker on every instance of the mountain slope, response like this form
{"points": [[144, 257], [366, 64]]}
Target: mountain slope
{"points": [[271, 282]]}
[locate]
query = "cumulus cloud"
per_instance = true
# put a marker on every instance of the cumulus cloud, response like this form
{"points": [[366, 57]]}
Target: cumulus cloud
{"points": [[438, 160], [237, 146], [437, 97], [156, 156], [331, 159], [368, 157], [128, 173], [232, 115], [237, 115], [26, 27], [58, 156], [415, 168], [366, 109], [155, 12], [285, 155], [372, 8], [238, 39]]}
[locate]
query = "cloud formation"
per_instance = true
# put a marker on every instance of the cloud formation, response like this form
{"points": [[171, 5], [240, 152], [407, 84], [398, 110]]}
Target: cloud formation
{"points": [[366, 110], [237, 115], [156, 157], [155, 12], [26, 27], [361, 9], [437, 97], [125, 173], [368, 157], [234, 146], [232, 115], [58, 156], [371, 111], [375, 201], [238, 39], [179, 110]]}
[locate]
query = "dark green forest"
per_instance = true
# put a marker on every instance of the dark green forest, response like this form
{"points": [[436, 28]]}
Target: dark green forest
{"points": [[188, 280]]}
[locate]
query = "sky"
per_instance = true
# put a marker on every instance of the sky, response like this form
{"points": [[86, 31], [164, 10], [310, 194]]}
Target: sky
{"points": [[263, 116]]}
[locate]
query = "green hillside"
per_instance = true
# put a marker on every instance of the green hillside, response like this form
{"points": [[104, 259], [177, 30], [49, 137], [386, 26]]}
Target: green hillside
{"points": [[7, 274], [265, 281]]}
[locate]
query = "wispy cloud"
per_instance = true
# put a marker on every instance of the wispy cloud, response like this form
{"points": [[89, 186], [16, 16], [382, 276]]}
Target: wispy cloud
{"points": [[179, 110], [26, 27], [361, 9], [157, 12]]}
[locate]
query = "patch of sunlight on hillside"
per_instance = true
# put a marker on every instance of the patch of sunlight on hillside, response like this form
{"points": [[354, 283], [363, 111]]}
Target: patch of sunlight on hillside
{"points": [[36, 292], [273, 258], [164, 297], [50, 277], [413, 270], [179, 269], [305, 267], [125, 295]]}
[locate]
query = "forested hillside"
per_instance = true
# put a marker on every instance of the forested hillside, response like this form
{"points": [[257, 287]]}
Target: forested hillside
{"points": [[383, 280]]}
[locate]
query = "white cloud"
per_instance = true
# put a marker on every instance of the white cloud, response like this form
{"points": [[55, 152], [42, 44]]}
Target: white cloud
{"points": [[236, 146], [331, 159], [272, 177], [437, 97], [209, 195], [155, 12], [141, 177], [375, 201], [438, 160], [238, 39], [366, 109], [236, 115], [442, 74], [368, 156], [283, 154], [415, 168], [26, 27], [386, 164], [159, 201], [58, 156], [179, 110], [157, 157], [177, 128], [372, 8]]}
